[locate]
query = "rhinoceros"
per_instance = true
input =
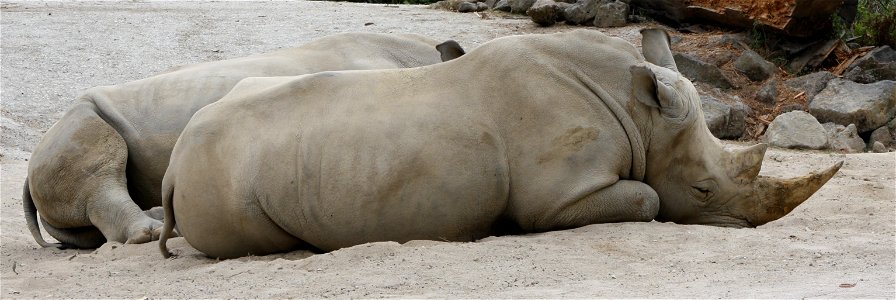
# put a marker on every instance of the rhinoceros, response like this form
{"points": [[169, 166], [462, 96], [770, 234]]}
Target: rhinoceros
{"points": [[101, 165], [578, 129]]}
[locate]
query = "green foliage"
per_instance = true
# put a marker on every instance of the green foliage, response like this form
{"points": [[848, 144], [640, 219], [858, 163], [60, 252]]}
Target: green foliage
{"points": [[758, 38], [874, 25]]}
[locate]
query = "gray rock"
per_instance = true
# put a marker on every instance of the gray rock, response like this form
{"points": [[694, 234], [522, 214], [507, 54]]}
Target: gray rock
{"points": [[697, 70], [467, 7], [791, 107], [845, 139], [754, 66], [502, 5], [545, 12], [877, 65], [520, 6], [491, 3], [811, 84], [878, 147], [637, 19], [724, 121], [768, 92], [831, 128], [796, 130], [562, 13], [718, 58], [880, 55], [481, 6], [877, 73], [582, 12], [611, 14], [734, 40], [869, 106], [883, 135]]}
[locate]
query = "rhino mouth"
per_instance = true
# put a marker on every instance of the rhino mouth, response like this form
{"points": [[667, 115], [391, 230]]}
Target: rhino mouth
{"points": [[712, 220]]}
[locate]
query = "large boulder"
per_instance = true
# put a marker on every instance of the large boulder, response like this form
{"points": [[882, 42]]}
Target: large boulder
{"points": [[611, 14], [699, 71], [878, 56], [796, 130], [520, 6], [467, 7], [877, 65], [881, 72], [463, 6], [811, 84], [545, 12], [724, 121], [502, 5], [869, 106], [844, 139], [754, 66], [582, 12]]}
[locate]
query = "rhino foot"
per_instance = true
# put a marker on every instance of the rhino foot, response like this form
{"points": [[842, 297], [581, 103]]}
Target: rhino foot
{"points": [[157, 213], [144, 231]]}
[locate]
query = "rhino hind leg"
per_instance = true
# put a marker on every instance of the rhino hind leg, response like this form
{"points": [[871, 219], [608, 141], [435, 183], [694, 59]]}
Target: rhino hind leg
{"points": [[623, 201], [157, 213], [80, 237], [78, 183]]}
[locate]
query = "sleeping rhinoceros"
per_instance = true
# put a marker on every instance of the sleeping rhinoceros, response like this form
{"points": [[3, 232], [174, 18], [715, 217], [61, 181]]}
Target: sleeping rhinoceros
{"points": [[577, 129], [101, 165]]}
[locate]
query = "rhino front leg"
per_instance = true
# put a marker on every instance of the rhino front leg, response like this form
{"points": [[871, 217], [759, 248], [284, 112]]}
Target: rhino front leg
{"points": [[623, 201]]}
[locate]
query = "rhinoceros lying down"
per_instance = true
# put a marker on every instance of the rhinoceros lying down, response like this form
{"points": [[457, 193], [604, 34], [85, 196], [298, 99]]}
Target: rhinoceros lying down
{"points": [[101, 165], [580, 130]]}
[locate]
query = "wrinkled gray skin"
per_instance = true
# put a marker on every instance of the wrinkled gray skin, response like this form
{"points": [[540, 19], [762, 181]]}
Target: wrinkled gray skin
{"points": [[99, 167], [579, 130]]}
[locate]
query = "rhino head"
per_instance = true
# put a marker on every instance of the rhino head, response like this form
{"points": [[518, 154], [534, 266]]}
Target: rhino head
{"points": [[698, 181]]}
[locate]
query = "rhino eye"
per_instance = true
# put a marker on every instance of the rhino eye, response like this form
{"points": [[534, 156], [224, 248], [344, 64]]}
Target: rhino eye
{"points": [[703, 190]]}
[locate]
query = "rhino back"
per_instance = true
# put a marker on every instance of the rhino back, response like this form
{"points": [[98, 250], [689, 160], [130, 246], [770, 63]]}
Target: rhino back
{"points": [[151, 113], [339, 167]]}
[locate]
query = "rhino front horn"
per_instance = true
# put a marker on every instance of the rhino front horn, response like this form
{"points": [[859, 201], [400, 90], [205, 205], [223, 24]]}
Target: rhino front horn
{"points": [[778, 197]]}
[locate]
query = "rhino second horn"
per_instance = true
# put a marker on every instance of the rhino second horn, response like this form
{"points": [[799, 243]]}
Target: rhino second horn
{"points": [[743, 165], [655, 45], [778, 197]]}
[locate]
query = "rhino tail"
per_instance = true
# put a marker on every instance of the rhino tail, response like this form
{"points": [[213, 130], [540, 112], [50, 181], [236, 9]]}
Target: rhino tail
{"points": [[168, 228], [31, 218]]}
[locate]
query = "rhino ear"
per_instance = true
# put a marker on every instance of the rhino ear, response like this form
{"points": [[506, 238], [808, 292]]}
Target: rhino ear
{"points": [[655, 45], [651, 92], [450, 50]]}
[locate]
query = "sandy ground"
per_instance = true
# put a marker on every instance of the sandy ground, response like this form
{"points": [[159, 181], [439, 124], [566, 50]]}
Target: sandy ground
{"points": [[839, 244]]}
